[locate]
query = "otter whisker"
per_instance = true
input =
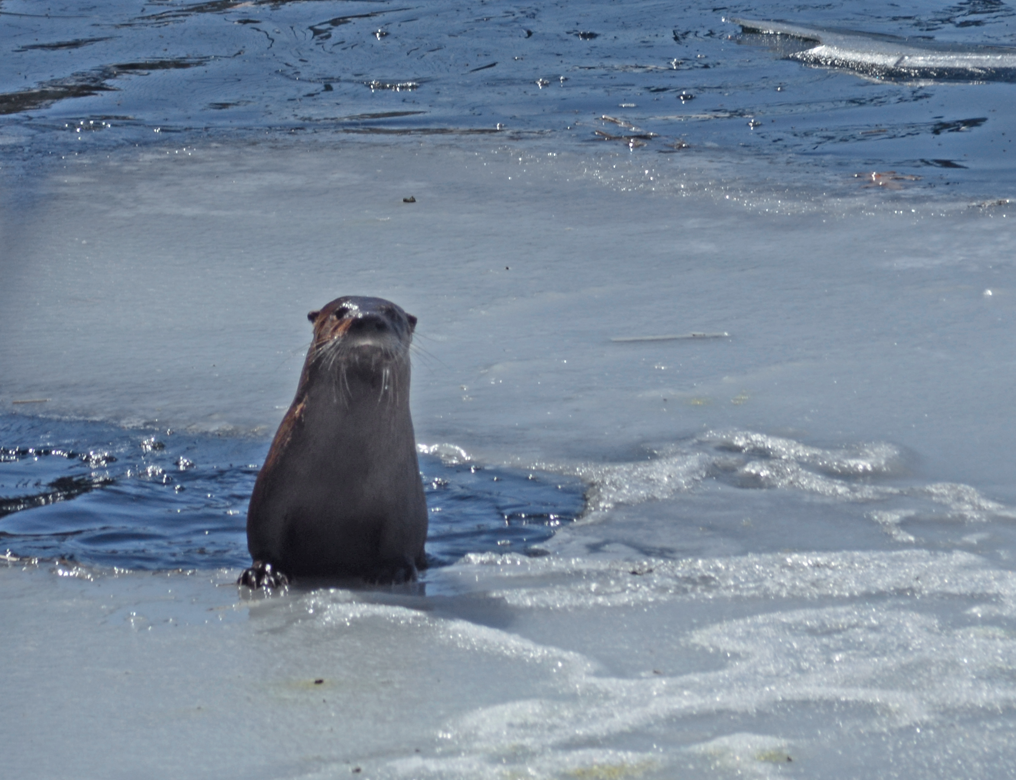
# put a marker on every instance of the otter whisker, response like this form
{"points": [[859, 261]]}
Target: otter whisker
{"points": [[428, 356], [384, 385]]}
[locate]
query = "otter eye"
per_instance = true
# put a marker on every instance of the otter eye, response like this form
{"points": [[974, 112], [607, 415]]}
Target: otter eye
{"points": [[340, 312]]}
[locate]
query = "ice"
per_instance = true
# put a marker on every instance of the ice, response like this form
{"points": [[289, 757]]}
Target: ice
{"points": [[798, 547], [178, 291], [542, 667], [886, 56]]}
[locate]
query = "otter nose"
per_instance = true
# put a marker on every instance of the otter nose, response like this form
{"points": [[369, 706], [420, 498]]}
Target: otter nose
{"points": [[368, 323]]}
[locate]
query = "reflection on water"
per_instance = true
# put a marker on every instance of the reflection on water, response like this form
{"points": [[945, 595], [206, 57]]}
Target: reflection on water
{"points": [[682, 75]]}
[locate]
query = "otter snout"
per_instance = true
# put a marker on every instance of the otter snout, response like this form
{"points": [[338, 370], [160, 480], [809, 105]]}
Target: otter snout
{"points": [[368, 322]]}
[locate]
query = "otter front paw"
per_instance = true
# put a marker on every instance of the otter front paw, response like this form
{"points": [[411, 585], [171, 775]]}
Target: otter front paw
{"points": [[394, 571], [263, 575]]}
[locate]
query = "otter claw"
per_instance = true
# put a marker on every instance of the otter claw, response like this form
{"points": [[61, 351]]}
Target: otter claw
{"points": [[263, 575]]}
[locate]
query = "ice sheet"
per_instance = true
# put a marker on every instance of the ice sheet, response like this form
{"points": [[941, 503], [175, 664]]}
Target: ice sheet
{"points": [[799, 541], [891, 57], [798, 552], [542, 667], [176, 291]]}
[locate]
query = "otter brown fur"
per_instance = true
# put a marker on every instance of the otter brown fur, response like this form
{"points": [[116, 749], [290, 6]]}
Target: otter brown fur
{"points": [[340, 493]]}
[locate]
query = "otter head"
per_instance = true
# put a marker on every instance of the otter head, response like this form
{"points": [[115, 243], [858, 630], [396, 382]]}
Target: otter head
{"points": [[370, 334]]}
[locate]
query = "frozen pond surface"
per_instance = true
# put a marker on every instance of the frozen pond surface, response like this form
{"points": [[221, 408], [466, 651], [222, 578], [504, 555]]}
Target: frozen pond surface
{"points": [[798, 539], [794, 545]]}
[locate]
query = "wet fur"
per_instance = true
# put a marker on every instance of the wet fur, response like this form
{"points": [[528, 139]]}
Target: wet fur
{"points": [[340, 493]]}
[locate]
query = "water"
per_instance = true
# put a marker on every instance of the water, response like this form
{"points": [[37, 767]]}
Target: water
{"points": [[153, 499], [663, 76], [783, 550]]}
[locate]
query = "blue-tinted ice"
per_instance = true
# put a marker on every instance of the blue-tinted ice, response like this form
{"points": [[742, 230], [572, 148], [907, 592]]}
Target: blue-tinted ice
{"points": [[890, 57], [793, 547]]}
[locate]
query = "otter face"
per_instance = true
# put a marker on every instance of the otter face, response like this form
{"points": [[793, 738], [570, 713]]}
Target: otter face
{"points": [[359, 322]]}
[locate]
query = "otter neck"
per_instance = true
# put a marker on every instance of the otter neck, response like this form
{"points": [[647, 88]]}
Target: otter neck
{"points": [[361, 381]]}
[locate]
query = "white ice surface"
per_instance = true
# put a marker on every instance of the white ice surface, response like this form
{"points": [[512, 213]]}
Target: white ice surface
{"points": [[839, 665], [799, 539], [889, 55], [175, 287]]}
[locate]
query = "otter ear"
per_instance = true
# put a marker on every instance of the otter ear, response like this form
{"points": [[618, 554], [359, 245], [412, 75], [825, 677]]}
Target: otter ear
{"points": [[312, 315], [412, 322]]}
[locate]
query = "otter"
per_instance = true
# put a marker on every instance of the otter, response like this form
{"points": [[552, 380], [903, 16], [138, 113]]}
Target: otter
{"points": [[340, 493]]}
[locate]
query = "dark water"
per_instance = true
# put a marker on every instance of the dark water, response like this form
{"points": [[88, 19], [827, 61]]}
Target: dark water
{"points": [[155, 499], [656, 77]]}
